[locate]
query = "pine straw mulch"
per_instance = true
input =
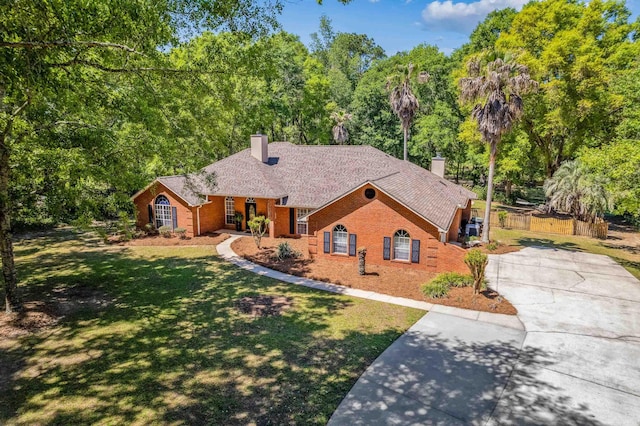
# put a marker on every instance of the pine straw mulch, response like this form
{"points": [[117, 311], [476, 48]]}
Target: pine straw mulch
{"points": [[391, 280], [208, 239]]}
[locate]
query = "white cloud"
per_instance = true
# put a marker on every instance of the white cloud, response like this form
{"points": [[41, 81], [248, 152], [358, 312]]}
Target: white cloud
{"points": [[463, 17]]}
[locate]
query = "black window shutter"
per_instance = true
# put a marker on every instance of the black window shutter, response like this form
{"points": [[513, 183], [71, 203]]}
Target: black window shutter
{"points": [[174, 216], [352, 244], [327, 242], [150, 211], [386, 248], [292, 221], [415, 251]]}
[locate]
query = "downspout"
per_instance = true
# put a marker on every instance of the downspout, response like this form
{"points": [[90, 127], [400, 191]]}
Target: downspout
{"points": [[198, 215]]}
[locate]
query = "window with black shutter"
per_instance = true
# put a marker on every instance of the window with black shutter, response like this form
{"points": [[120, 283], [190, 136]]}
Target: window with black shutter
{"points": [[415, 251], [327, 241], [150, 211], [352, 244], [386, 248]]}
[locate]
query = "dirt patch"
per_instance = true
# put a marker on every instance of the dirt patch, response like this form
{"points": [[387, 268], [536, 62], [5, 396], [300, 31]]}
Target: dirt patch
{"points": [[209, 239], [264, 306], [389, 280], [34, 317], [40, 315]]}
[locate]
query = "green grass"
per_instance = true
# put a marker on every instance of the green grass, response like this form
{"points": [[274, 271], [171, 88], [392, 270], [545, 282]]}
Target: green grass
{"points": [[172, 348]]}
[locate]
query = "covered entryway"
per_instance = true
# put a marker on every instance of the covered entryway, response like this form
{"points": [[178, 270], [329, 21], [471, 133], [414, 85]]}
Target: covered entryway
{"points": [[249, 210]]}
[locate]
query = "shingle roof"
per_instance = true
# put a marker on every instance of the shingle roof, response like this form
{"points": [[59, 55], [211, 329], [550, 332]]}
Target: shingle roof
{"points": [[311, 176]]}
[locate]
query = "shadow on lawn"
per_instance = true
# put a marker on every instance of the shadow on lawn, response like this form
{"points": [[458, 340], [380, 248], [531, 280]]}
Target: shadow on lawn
{"points": [[445, 380], [172, 346]]}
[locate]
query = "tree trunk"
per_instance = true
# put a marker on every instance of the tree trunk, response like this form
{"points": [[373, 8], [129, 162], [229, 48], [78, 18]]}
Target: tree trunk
{"points": [[12, 300], [406, 136], [487, 210], [507, 188]]}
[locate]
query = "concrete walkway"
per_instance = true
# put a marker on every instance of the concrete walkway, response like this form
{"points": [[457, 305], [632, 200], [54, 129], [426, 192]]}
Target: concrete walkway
{"points": [[225, 251], [578, 363]]}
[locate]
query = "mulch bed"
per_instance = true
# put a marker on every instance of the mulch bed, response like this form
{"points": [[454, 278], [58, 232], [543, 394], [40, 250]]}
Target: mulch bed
{"points": [[209, 239], [394, 281]]}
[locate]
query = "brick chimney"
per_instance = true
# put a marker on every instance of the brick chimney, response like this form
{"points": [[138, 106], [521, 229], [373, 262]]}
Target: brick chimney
{"points": [[437, 165], [260, 147]]}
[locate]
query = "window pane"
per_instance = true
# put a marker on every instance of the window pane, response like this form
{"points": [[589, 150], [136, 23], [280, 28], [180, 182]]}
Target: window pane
{"points": [[340, 239], [230, 211], [401, 245], [302, 227]]}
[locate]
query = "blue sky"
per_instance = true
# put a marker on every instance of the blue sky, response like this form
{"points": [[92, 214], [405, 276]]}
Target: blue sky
{"points": [[399, 25]]}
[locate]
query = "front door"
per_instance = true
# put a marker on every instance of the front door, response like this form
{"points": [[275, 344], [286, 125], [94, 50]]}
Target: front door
{"points": [[250, 212]]}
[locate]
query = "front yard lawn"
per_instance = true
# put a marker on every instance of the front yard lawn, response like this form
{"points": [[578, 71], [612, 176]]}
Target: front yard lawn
{"points": [[164, 335]]}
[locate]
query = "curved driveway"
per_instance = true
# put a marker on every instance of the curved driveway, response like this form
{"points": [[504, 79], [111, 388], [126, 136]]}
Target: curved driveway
{"points": [[577, 363]]}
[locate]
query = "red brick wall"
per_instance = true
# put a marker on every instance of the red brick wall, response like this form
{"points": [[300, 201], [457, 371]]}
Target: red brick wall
{"points": [[371, 220], [184, 212], [212, 215], [455, 226], [281, 222]]}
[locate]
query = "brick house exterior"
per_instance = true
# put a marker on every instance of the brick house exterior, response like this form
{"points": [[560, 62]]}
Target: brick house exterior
{"points": [[338, 197]]}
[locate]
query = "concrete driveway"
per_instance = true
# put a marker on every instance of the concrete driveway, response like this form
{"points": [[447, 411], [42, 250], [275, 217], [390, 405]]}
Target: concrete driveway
{"points": [[577, 363]]}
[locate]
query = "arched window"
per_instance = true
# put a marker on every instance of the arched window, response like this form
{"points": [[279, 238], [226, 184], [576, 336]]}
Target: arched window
{"points": [[340, 239], [250, 200], [401, 244], [163, 211], [229, 211]]}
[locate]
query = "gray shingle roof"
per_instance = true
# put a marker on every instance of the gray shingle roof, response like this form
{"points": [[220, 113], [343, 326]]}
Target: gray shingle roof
{"points": [[311, 176]]}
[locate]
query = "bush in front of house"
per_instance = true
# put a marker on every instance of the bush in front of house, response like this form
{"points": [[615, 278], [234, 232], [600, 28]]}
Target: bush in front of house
{"points": [[258, 226], [165, 231], [285, 251], [435, 289], [477, 263], [454, 279], [181, 232]]}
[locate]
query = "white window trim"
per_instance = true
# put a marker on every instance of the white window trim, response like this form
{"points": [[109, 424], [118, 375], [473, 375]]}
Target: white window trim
{"points": [[302, 225], [401, 237], [229, 211], [341, 232], [162, 212]]}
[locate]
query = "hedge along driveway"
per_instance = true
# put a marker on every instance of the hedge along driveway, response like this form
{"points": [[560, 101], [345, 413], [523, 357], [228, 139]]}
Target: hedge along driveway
{"points": [[171, 345]]}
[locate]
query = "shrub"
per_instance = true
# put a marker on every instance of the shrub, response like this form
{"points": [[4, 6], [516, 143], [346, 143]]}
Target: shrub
{"points": [[150, 229], [493, 245], [285, 251], [124, 226], [435, 289], [182, 233], [258, 226], [477, 262], [454, 279], [165, 231], [502, 218]]}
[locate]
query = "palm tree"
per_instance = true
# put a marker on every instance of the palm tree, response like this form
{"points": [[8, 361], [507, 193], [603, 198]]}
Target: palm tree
{"points": [[573, 190], [499, 88], [340, 133], [403, 102]]}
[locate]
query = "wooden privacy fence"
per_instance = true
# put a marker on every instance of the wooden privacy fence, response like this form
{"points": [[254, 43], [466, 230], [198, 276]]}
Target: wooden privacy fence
{"points": [[551, 225]]}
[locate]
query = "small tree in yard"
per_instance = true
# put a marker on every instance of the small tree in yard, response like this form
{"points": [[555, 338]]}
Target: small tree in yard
{"points": [[258, 226], [362, 254], [477, 262]]}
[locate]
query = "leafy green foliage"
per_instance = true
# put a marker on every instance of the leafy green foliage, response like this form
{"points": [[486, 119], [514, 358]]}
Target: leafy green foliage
{"points": [[165, 231], [435, 290], [454, 279], [285, 251], [181, 232], [259, 226], [477, 263], [573, 190]]}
